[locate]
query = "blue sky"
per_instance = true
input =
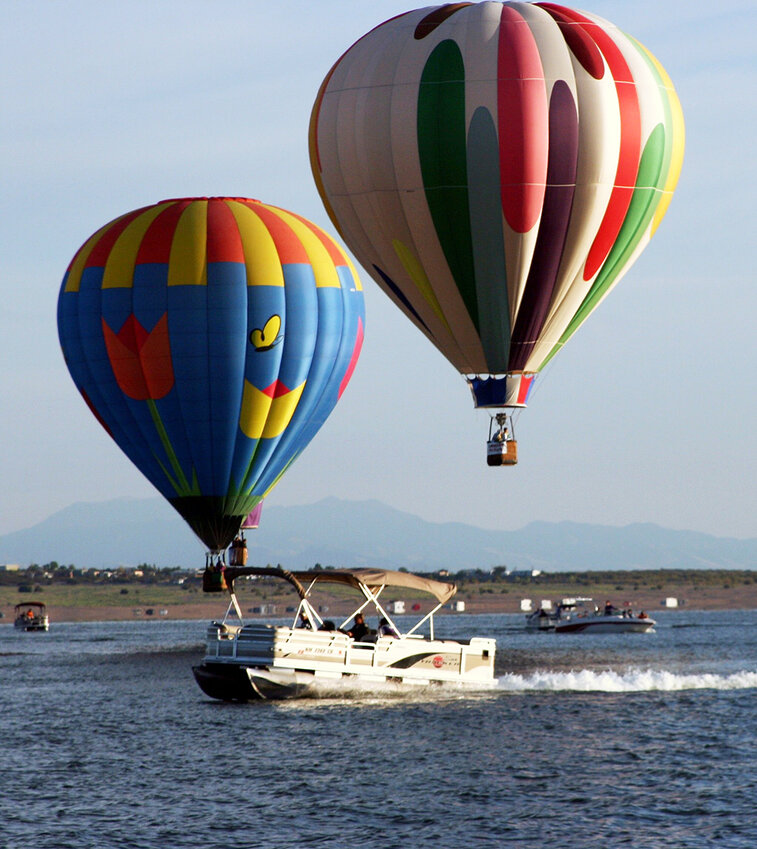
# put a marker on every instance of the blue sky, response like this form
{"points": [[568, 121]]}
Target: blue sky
{"points": [[647, 415]]}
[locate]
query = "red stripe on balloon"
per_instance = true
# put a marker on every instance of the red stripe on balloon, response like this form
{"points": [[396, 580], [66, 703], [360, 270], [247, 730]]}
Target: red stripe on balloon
{"points": [[224, 241], [353, 359], [522, 122], [156, 243]]}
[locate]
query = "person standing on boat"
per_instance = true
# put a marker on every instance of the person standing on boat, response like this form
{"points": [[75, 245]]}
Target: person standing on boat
{"points": [[359, 628]]}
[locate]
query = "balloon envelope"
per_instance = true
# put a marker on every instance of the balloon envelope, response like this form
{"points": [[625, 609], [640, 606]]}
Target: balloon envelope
{"points": [[211, 337], [497, 167]]}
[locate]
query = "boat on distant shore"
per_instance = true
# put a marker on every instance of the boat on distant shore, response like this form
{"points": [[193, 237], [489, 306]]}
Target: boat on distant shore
{"points": [[248, 661], [31, 616]]}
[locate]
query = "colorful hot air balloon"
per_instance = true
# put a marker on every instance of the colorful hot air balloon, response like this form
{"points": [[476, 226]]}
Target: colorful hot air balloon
{"points": [[497, 167], [211, 337]]}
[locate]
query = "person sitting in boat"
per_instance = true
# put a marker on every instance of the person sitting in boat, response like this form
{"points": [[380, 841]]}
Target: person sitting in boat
{"points": [[30, 614], [359, 628], [304, 621], [643, 615], [386, 630]]}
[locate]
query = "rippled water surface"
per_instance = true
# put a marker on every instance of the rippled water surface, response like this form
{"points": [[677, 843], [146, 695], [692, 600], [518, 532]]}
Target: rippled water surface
{"points": [[589, 741]]}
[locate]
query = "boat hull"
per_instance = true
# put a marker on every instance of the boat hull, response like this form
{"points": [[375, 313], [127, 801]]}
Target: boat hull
{"points": [[32, 626], [604, 625], [235, 683]]}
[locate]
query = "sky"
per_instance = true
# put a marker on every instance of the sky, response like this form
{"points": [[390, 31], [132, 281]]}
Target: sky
{"points": [[648, 413]]}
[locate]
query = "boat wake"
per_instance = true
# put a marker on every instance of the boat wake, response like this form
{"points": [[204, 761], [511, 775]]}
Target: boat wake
{"points": [[628, 681]]}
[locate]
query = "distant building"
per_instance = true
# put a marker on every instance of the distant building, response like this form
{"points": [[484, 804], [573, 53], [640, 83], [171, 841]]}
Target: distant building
{"points": [[524, 573], [396, 607], [9, 567]]}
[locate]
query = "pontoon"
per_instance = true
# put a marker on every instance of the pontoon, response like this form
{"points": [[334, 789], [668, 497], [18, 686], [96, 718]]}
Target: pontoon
{"points": [[32, 616], [247, 661]]}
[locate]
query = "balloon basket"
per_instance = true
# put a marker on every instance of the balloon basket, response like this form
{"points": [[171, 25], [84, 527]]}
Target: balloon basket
{"points": [[238, 552], [213, 582], [504, 453]]}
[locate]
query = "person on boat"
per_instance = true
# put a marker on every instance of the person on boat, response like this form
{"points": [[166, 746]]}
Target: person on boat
{"points": [[304, 621], [609, 608], [30, 614], [359, 628], [386, 630], [643, 615]]}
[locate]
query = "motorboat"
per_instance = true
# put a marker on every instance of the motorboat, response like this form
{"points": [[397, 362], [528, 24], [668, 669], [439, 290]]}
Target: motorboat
{"points": [[31, 616], [585, 617], [248, 661]]}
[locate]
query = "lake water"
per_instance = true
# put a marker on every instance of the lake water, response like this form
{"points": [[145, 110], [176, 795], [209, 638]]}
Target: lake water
{"points": [[643, 740]]}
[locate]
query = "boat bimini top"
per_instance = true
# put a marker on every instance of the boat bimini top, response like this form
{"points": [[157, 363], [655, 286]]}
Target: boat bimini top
{"points": [[369, 582]]}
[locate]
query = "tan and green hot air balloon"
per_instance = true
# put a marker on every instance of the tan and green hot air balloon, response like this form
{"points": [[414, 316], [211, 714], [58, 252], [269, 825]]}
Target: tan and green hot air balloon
{"points": [[497, 168]]}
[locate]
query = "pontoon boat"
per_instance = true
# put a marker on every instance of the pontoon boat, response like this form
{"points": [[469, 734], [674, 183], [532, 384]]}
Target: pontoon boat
{"points": [[246, 661], [32, 616]]}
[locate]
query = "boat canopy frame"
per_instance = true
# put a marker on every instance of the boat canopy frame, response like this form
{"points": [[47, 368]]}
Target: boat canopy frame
{"points": [[369, 582]]}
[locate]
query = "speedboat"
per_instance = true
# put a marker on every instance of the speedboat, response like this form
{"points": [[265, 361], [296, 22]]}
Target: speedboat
{"points": [[581, 619], [31, 616], [248, 661]]}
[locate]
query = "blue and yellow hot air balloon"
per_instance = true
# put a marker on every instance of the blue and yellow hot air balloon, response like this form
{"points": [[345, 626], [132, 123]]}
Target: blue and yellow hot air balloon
{"points": [[211, 337], [497, 168]]}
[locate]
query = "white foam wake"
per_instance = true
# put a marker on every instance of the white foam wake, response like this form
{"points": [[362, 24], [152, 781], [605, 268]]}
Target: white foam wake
{"points": [[628, 681]]}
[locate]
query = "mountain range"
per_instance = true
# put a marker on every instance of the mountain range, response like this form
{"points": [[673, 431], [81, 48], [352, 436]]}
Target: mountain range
{"points": [[334, 532]]}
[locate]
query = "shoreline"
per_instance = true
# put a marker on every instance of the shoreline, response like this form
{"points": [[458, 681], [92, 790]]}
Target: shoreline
{"points": [[735, 599]]}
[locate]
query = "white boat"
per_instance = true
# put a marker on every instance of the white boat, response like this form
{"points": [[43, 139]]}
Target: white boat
{"points": [[247, 661], [31, 616], [585, 617]]}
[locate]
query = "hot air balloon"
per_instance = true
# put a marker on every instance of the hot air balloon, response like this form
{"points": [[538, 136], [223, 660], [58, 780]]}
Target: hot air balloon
{"points": [[211, 338], [497, 168]]}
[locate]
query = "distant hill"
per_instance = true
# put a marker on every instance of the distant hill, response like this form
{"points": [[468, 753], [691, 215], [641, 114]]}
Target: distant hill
{"points": [[358, 533]]}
